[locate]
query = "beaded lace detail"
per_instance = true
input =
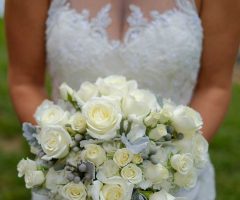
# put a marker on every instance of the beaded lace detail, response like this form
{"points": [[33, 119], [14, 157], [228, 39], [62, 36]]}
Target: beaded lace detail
{"points": [[162, 53]]}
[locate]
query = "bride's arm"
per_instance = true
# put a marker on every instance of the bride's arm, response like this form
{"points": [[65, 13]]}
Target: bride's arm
{"points": [[221, 22], [25, 27]]}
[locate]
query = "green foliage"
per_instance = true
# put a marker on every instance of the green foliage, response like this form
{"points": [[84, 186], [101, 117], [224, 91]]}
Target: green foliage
{"points": [[224, 148]]}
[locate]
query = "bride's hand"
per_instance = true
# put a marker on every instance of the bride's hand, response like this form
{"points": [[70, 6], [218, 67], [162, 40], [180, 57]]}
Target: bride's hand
{"points": [[221, 23], [25, 31]]}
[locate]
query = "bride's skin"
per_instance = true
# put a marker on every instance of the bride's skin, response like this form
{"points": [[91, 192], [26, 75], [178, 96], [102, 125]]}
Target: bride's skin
{"points": [[25, 29]]}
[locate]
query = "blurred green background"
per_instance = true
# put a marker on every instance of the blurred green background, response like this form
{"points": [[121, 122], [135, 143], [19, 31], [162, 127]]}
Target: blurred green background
{"points": [[223, 149]]}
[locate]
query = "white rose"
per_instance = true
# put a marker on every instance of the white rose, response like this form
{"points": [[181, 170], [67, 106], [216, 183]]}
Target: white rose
{"points": [[94, 153], [55, 142], [138, 103], [115, 86], [78, 122], [152, 119], [26, 165], [132, 173], [107, 170], [183, 163], [103, 118], [114, 188], [49, 114], [158, 132], [74, 191], [162, 195], [34, 178], [186, 181], [85, 93], [155, 173], [122, 157], [54, 179], [65, 91], [186, 120]]}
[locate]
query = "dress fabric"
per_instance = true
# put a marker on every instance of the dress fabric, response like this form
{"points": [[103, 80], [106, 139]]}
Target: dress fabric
{"points": [[162, 53]]}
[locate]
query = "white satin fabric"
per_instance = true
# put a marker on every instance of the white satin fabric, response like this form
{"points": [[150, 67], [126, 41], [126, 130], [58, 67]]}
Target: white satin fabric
{"points": [[161, 52]]}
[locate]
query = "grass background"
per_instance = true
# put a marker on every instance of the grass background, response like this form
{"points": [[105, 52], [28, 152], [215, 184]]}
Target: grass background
{"points": [[224, 149]]}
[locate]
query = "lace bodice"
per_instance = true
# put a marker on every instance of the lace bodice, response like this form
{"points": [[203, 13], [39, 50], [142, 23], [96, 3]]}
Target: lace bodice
{"points": [[162, 53]]}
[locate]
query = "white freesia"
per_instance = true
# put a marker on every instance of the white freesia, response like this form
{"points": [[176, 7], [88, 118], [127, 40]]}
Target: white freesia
{"points": [[114, 188], [85, 93], [74, 191], [186, 181], [103, 118], [26, 165], [183, 163], [34, 178], [186, 120], [111, 146], [132, 173], [54, 179], [115, 85], [122, 157], [162, 155], [158, 132], [65, 91], [162, 195], [155, 173], [167, 110], [138, 103], [94, 153], [152, 119], [107, 170], [137, 159], [50, 114], [78, 122], [55, 142]]}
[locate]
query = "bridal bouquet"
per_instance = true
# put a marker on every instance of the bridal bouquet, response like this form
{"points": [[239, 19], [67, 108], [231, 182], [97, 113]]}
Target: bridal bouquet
{"points": [[112, 141]]}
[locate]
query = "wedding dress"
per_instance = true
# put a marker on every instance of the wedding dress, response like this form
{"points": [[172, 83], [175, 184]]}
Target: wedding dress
{"points": [[162, 53]]}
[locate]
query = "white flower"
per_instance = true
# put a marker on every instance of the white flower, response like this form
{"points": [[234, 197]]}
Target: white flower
{"points": [[54, 179], [115, 85], [186, 120], [186, 181], [122, 157], [34, 178], [155, 173], [107, 170], [85, 93], [74, 158], [111, 146], [65, 91], [103, 118], [137, 159], [183, 163], [162, 154], [167, 110], [55, 142], [26, 165], [94, 153], [78, 122], [162, 195], [114, 188], [137, 131], [152, 119], [74, 191], [132, 173], [49, 114], [158, 132], [138, 103]]}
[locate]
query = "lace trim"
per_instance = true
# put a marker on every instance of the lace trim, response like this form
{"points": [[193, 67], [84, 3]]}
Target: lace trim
{"points": [[136, 20]]}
